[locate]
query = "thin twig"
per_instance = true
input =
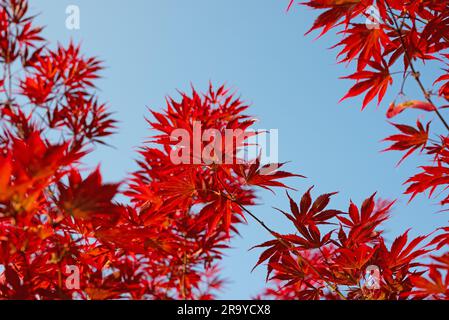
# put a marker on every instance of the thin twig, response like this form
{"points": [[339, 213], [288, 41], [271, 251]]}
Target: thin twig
{"points": [[289, 247], [415, 73], [282, 241]]}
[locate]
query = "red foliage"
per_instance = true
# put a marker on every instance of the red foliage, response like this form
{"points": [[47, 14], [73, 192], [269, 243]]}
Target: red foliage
{"points": [[397, 35], [186, 199], [166, 242]]}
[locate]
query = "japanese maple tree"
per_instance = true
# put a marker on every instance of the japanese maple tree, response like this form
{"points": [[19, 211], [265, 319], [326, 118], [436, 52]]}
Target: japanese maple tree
{"points": [[331, 253], [185, 202], [165, 241]]}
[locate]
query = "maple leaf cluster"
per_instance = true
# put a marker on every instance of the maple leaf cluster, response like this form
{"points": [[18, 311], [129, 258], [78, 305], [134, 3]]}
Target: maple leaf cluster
{"points": [[328, 255], [332, 253], [197, 207], [166, 239]]}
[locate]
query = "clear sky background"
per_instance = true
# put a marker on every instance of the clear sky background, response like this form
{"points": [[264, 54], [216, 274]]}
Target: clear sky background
{"points": [[153, 47]]}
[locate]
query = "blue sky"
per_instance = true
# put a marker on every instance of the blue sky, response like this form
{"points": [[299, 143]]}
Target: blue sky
{"points": [[153, 47]]}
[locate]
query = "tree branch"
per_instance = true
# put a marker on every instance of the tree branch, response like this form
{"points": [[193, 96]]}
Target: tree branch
{"points": [[415, 73]]}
